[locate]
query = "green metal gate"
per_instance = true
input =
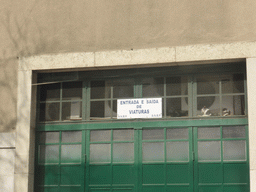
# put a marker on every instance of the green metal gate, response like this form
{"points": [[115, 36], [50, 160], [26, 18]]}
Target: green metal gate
{"points": [[207, 155]]}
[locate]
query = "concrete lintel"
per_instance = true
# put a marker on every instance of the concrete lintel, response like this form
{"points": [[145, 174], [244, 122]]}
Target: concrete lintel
{"points": [[179, 54]]}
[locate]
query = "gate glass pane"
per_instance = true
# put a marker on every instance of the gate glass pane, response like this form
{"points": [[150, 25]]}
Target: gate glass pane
{"points": [[72, 110], [99, 90], [234, 150], [123, 152], [209, 150], [100, 153], [123, 135], [176, 86], [101, 135], [209, 133], [177, 151], [208, 84], [181, 133], [233, 132], [71, 136], [153, 87], [123, 88], [49, 137], [49, 154], [234, 105], [208, 106], [50, 92], [70, 153], [72, 90], [152, 134], [232, 83], [153, 151], [176, 108]]}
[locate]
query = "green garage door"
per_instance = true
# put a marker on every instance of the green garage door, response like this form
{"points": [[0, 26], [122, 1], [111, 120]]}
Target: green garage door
{"points": [[158, 159]]}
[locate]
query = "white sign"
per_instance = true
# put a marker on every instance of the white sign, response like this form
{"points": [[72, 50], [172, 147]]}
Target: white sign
{"points": [[139, 108]]}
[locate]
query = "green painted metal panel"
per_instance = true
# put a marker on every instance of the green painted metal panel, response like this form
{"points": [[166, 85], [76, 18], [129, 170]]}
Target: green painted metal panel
{"points": [[153, 188], [210, 189], [235, 173], [210, 173], [153, 174], [71, 175], [178, 174], [99, 174], [123, 174]]}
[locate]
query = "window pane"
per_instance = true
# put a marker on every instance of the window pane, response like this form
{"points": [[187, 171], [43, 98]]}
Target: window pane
{"points": [[72, 90], [123, 88], [100, 89], [209, 133], [233, 132], [176, 107], [234, 150], [208, 106], [49, 154], [50, 92], [177, 151], [97, 109], [71, 136], [209, 150], [232, 83], [100, 153], [176, 86], [71, 153], [153, 151], [49, 112], [102, 135], [123, 135], [153, 87], [153, 134], [208, 84], [180, 133], [123, 152], [233, 105], [49, 137], [72, 110]]}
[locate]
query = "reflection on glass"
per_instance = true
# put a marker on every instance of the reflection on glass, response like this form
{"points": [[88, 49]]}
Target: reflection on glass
{"points": [[209, 150], [208, 84], [100, 135], [123, 88], [50, 92], [153, 87], [232, 83], [100, 89], [72, 110], [123, 152], [152, 134], [179, 133], [97, 109], [71, 136], [209, 133], [123, 135], [234, 150], [177, 151], [176, 107], [71, 153], [233, 105], [49, 112], [100, 153], [153, 151], [49, 137], [176, 86], [233, 132], [49, 154], [72, 90], [208, 106]]}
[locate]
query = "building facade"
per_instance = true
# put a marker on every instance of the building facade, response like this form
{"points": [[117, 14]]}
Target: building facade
{"points": [[67, 66]]}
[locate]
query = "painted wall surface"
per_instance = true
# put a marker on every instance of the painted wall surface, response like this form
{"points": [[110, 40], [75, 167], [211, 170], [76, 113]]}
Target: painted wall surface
{"points": [[32, 27]]}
